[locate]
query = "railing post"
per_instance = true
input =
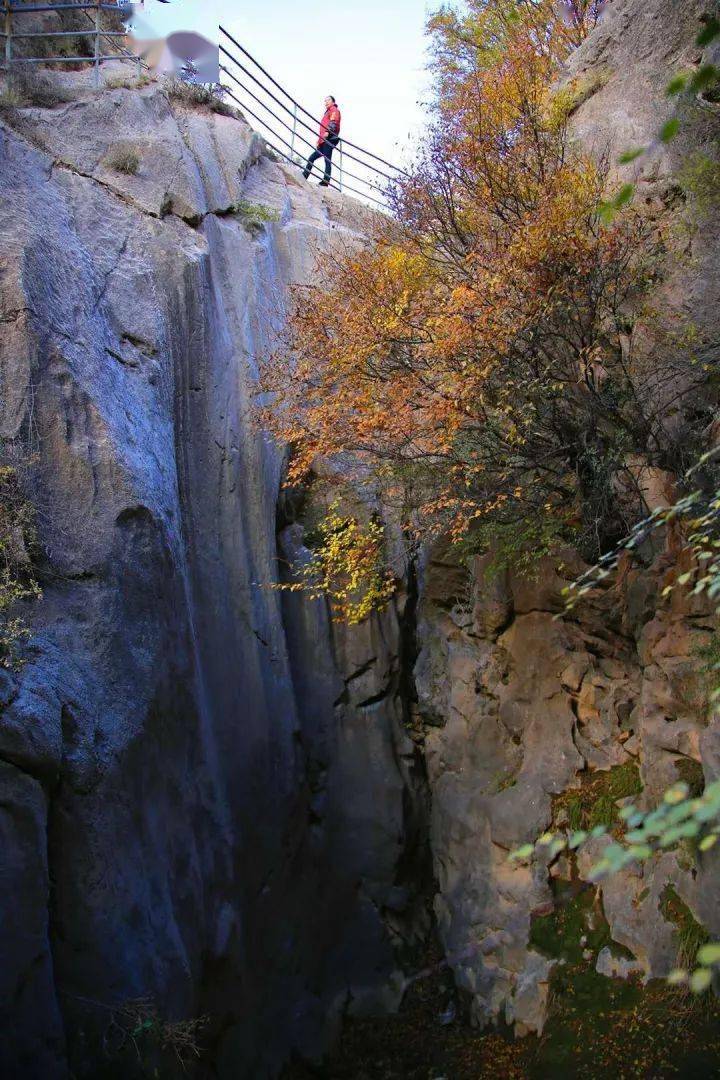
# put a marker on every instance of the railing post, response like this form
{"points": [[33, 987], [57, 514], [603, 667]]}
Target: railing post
{"points": [[8, 39], [292, 137], [98, 14], [340, 164]]}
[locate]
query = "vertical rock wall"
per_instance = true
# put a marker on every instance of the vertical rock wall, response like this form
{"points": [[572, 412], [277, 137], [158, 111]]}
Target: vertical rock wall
{"points": [[208, 797], [528, 713], [197, 807]]}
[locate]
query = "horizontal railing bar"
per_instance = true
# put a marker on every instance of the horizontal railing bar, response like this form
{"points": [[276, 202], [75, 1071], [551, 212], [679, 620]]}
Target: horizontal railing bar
{"points": [[260, 102], [255, 116], [304, 123], [66, 33], [123, 54], [302, 107], [26, 9], [333, 183], [66, 59], [298, 136]]}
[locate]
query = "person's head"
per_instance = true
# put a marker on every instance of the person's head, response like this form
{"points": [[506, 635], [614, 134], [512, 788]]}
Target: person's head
{"points": [[329, 100]]}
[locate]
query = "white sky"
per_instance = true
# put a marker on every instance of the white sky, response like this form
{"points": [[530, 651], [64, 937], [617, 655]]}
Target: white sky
{"points": [[369, 53]]}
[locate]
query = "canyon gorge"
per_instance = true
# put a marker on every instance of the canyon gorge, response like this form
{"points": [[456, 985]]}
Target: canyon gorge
{"points": [[215, 801]]}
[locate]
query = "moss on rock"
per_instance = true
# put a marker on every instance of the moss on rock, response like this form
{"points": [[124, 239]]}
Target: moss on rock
{"points": [[689, 933], [595, 802]]}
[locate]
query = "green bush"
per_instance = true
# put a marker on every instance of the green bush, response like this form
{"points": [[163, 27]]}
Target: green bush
{"points": [[516, 545], [691, 773], [11, 99], [27, 87], [568, 99], [700, 179], [254, 214], [138, 1032]]}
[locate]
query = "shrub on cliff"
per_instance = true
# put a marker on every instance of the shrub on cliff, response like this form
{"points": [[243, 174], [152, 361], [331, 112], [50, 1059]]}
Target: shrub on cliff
{"points": [[346, 566], [124, 157], [28, 87], [198, 95], [17, 578]]}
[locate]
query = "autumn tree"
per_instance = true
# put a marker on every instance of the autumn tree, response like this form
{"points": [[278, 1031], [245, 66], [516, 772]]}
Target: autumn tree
{"points": [[476, 360]]}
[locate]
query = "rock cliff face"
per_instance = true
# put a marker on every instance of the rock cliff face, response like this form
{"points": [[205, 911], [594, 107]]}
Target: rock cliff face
{"points": [[528, 715], [205, 793], [209, 796]]}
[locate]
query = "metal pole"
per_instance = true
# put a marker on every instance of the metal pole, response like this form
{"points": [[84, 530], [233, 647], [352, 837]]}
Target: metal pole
{"points": [[8, 39], [340, 164], [98, 14], [292, 139]]}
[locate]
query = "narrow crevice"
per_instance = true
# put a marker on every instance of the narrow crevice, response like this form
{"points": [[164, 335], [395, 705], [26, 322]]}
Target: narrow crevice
{"points": [[409, 648], [362, 670], [414, 874], [374, 699]]}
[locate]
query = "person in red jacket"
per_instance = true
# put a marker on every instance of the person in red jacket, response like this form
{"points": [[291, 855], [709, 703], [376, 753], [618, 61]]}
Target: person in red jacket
{"points": [[329, 137]]}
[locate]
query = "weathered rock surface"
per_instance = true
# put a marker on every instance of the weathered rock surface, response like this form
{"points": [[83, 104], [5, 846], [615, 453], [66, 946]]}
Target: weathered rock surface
{"points": [[526, 712], [208, 795], [204, 791], [520, 707]]}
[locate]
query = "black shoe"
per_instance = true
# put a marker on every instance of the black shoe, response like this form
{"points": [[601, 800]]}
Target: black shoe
{"points": [[305, 174], [324, 183]]}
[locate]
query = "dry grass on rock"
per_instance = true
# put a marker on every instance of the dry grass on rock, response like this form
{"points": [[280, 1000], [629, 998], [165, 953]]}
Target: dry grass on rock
{"points": [[124, 157]]}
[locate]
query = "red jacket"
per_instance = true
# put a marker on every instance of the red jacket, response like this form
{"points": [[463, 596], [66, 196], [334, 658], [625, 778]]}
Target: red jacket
{"points": [[331, 117]]}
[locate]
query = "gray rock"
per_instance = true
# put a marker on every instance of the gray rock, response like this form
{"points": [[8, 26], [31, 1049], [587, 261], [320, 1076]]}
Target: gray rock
{"points": [[190, 813], [207, 793], [519, 703], [616, 967]]}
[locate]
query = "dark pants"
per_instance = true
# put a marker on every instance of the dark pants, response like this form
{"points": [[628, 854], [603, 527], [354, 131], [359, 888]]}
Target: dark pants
{"points": [[325, 151]]}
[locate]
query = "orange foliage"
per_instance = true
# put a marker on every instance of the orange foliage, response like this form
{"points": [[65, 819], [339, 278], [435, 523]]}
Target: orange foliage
{"points": [[471, 359]]}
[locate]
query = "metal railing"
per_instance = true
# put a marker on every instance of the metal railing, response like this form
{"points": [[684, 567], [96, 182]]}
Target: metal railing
{"points": [[285, 125], [95, 29]]}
